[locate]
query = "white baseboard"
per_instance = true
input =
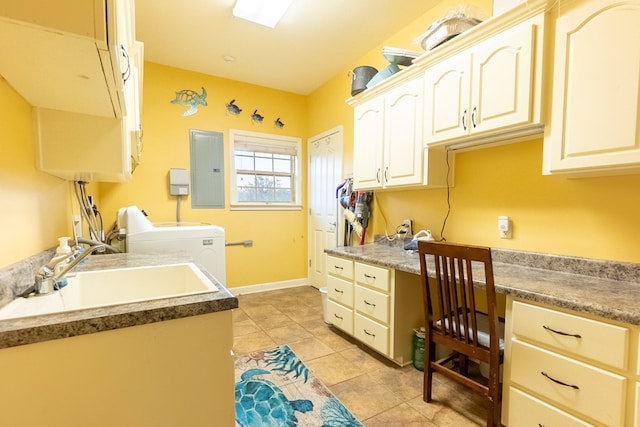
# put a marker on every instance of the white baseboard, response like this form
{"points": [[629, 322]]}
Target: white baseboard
{"points": [[262, 287]]}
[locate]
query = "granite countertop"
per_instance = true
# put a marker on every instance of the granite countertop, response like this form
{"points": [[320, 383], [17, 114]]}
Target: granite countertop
{"points": [[33, 329], [607, 289]]}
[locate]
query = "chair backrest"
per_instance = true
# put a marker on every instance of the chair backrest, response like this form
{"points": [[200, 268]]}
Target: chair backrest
{"points": [[450, 304]]}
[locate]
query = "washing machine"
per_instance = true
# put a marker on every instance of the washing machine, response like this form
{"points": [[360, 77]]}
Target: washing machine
{"points": [[205, 243]]}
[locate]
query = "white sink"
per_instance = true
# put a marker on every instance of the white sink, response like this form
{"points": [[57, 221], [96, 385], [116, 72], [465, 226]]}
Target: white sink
{"points": [[102, 288]]}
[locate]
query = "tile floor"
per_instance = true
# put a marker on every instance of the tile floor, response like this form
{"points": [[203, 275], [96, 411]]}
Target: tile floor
{"points": [[376, 391]]}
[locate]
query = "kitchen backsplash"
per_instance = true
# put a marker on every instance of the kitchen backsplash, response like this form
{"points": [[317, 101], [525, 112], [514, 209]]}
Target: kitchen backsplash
{"points": [[614, 270]]}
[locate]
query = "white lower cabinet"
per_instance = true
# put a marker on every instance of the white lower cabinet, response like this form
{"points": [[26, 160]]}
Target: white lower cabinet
{"points": [[529, 408], [565, 368], [378, 306], [587, 390], [341, 316]]}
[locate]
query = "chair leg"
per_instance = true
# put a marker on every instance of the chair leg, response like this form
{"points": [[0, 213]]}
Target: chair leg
{"points": [[493, 416], [430, 353], [464, 365]]}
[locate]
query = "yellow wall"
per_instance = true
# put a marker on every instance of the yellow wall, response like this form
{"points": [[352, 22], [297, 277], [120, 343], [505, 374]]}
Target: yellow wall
{"points": [[34, 204], [589, 217], [280, 245]]}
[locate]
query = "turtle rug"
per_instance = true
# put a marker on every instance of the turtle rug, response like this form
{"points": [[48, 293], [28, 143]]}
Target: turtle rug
{"points": [[274, 388]]}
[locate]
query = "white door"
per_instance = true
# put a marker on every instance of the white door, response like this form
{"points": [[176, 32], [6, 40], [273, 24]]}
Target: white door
{"points": [[325, 175]]}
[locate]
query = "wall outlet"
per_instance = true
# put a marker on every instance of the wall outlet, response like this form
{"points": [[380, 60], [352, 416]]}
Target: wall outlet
{"points": [[407, 228], [504, 227]]}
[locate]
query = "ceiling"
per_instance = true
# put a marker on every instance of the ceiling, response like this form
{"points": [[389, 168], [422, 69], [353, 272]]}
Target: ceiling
{"points": [[314, 41]]}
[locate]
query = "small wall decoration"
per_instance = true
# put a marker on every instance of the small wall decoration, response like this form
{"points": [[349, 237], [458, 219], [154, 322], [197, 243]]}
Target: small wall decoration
{"points": [[191, 99], [278, 123], [232, 108], [256, 118]]}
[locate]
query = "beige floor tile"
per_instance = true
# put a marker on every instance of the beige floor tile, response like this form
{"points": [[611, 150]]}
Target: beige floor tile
{"points": [[406, 383], [272, 321], [367, 360], [402, 415], [288, 333], [251, 342], [238, 315], [374, 389], [333, 369], [245, 327], [310, 348], [364, 397]]}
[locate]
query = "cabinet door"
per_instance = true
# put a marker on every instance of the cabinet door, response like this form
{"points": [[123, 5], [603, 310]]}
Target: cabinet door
{"points": [[368, 144], [582, 388], [446, 93], [403, 134], [502, 80], [596, 83], [526, 410]]}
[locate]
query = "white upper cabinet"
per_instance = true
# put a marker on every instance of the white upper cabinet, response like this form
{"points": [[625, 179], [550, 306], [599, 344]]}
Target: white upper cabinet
{"points": [[68, 55], [595, 126], [78, 64], [482, 90], [403, 134], [368, 144], [388, 138]]}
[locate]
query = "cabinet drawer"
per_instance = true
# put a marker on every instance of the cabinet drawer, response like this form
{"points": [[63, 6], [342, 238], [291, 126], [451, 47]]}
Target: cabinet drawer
{"points": [[340, 291], [372, 303], [598, 341], [526, 411], [340, 267], [372, 276], [372, 333], [341, 317], [593, 392]]}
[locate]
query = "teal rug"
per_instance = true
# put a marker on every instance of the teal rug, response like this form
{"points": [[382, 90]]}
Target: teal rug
{"points": [[274, 388]]}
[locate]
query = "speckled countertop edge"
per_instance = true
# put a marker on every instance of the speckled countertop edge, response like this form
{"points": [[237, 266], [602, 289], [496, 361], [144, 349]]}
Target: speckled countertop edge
{"points": [[33, 329], [552, 282]]}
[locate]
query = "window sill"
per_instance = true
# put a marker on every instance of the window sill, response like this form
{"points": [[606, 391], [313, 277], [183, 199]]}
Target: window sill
{"points": [[264, 207]]}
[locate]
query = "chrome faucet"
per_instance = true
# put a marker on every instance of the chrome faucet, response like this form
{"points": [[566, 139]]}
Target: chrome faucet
{"points": [[47, 275]]}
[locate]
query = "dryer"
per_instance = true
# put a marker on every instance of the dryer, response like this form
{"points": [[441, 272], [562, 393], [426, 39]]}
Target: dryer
{"points": [[205, 243]]}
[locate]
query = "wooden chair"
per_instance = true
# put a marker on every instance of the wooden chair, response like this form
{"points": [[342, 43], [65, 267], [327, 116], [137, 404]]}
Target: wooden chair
{"points": [[453, 321]]}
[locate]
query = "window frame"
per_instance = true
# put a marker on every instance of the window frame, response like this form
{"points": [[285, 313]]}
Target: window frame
{"points": [[237, 137]]}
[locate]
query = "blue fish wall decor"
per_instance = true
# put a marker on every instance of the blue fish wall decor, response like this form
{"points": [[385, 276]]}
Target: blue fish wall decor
{"points": [[278, 123], [191, 99], [232, 108]]}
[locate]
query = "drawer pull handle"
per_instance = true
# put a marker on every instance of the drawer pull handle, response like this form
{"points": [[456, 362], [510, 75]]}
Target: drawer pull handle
{"points": [[559, 382], [338, 317], [369, 303], [338, 291], [337, 267], [369, 333], [369, 277], [561, 333]]}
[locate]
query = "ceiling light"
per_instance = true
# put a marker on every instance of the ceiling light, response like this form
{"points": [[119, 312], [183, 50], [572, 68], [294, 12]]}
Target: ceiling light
{"points": [[263, 12]]}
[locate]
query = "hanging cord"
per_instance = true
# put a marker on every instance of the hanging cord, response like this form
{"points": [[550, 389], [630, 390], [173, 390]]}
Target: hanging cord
{"points": [[444, 222], [89, 212]]}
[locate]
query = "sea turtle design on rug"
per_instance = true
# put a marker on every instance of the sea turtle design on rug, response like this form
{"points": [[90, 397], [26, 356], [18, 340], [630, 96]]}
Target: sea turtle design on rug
{"points": [[261, 403], [191, 99]]}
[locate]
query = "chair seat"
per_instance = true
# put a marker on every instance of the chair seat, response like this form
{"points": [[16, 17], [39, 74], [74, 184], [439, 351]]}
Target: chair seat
{"points": [[483, 330]]}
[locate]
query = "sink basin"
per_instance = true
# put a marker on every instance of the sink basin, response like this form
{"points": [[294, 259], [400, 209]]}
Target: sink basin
{"points": [[102, 288]]}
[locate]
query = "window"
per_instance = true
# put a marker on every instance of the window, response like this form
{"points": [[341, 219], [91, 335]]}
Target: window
{"points": [[265, 171]]}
